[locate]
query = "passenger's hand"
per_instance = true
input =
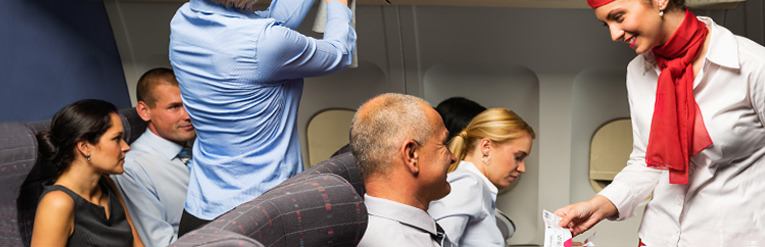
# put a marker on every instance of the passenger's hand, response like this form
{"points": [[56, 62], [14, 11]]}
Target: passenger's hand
{"points": [[580, 217]]}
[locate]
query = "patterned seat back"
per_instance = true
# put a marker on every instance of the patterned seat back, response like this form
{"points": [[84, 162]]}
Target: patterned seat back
{"points": [[343, 165], [312, 210]]}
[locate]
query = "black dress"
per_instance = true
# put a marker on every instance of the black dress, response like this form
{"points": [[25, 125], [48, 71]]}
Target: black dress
{"points": [[91, 228]]}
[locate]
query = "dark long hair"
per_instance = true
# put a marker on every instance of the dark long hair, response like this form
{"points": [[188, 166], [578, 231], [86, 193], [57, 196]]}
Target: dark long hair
{"points": [[456, 112], [84, 120]]}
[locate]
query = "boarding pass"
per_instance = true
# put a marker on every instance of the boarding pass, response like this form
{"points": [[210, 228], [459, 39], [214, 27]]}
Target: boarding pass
{"points": [[556, 236]]}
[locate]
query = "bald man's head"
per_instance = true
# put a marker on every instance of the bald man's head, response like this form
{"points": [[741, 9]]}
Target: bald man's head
{"points": [[382, 123]]}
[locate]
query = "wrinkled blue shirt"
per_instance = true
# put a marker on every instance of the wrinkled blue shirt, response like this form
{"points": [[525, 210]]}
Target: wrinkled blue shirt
{"points": [[241, 78]]}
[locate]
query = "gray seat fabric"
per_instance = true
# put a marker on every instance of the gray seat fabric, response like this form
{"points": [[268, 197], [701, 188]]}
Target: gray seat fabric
{"points": [[42, 171], [211, 237], [343, 164], [18, 151], [344, 149], [310, 210], [132, 124]]}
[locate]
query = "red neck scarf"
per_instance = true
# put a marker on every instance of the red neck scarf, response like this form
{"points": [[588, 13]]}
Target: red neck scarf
{"points": [[677, 128]]}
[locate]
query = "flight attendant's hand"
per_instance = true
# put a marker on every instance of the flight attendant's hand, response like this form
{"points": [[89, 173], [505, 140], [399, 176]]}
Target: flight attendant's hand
{"points": [[580, 217]]}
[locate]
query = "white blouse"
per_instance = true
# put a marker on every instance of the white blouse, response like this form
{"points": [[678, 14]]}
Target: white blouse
{"points": [[723, 203], [467, 213]]}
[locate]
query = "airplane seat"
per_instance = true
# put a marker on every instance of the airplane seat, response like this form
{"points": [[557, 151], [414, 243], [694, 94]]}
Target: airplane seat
{"points": [[42, 171], [342, 150], [19, 159], [133, 125], [18, 151], [343, 164], [505, 224], [313, 209], [212, 237]]}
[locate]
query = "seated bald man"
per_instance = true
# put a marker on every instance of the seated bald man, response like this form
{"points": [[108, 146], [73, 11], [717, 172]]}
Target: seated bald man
{"points": [[399, 142]]}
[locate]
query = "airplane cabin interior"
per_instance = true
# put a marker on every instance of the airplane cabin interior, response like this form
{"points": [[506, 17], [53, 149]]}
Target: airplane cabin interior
{"points": [[550, 61]]}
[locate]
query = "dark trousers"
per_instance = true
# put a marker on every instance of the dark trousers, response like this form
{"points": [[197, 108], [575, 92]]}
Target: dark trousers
{"points": [[189, 223]]}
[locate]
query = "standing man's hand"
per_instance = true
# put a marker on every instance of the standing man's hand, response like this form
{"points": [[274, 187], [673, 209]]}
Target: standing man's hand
{"points": [[342, 1]]}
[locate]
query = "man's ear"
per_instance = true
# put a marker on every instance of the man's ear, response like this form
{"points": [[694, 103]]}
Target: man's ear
{"points": [[143, 111], [409, 154]]}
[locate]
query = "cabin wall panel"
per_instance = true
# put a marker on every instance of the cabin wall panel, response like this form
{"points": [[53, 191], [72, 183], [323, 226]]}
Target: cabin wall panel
{"points": [[54, 53], [142, 31], [498, 85], [599, 96], [379, 70]]}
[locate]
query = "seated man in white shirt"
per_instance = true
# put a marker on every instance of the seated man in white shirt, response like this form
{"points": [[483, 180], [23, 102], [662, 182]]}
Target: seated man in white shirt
{"points": [[399, 143], [156, 177]]}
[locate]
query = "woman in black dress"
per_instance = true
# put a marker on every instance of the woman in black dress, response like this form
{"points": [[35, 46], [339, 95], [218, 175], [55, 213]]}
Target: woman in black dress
{"points": [[82, 207]]}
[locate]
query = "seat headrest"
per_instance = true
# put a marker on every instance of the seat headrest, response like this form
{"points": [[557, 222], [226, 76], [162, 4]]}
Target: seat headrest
{"points": [[343, 165], [132, 123], [318, 210], [18, 151], [217, 238]]}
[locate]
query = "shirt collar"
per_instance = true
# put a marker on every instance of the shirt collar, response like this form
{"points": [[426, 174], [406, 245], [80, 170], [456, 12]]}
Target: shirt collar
{"points": [[209, 6], [166, 148], [470, 167], [400, 212], [722, 50]]}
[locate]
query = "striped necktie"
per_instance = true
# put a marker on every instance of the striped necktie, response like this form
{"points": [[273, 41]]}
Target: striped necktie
{"points": [[441, 237], [185, 155]]}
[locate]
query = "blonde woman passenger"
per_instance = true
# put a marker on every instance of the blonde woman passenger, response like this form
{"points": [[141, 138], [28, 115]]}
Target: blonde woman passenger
{"points": [[492, 152]]}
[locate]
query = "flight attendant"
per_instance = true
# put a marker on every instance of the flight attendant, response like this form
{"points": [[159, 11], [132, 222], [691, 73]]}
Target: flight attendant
{"points": [[697, 102]]}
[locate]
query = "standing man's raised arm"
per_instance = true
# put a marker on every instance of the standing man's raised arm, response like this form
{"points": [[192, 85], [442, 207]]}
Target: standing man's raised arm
{"points": [[289, 12], [293, 55]]}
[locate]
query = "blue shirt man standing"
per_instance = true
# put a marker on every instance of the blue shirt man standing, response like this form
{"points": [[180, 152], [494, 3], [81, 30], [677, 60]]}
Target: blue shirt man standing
{"points": [[241, 78]]}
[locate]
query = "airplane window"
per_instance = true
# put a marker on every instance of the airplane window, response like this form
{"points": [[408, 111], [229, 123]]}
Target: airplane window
{"points": [[610, 149], [327, 132]]}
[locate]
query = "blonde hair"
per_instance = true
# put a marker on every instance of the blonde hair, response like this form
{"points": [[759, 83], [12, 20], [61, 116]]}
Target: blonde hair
{"points": [[497, 124]]}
